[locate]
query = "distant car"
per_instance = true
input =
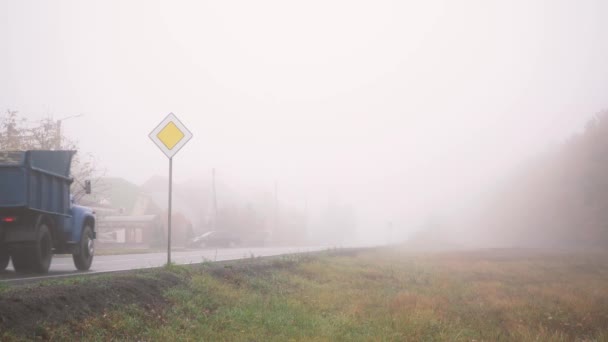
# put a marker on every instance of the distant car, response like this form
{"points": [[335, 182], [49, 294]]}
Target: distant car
{"points": [[215, 238]]}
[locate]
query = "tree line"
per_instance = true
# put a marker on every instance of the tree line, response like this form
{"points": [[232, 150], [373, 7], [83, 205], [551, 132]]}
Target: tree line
{"points": [[559, 199]]}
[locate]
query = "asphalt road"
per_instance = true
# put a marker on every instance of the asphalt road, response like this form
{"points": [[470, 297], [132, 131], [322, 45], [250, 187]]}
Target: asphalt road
{"points": [[63, 266]]}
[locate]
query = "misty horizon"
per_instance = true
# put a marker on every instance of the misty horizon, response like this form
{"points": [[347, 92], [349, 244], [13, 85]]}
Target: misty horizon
{"points": [[404, 111]]}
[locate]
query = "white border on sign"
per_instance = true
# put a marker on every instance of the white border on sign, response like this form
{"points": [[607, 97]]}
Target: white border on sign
{"points": [[154, 135]]}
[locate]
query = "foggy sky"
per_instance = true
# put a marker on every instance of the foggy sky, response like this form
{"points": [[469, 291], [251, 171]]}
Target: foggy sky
{"points": [[401, 108]]}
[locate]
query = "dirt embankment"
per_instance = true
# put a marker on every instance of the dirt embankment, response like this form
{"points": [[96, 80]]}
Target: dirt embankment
{"points": [[26, 310], [23, 310]]}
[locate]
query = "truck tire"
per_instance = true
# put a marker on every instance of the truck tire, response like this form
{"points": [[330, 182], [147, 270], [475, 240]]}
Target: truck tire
{"points": [[4, 257], [21, 260], [42, 249], [36, 256], [84, 257]]}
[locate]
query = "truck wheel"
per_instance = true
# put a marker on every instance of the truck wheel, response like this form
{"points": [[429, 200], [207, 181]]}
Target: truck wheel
{"points": [[84, 258], [42, 250], [4, 257], [21, 260]]}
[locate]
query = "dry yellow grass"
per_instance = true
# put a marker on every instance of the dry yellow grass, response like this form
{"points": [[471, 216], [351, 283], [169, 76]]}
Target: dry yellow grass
{"points": [[389, 294]]}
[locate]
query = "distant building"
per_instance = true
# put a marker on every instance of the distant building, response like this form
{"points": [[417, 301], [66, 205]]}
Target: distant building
{"points": [[128, 216], [136, 231]]}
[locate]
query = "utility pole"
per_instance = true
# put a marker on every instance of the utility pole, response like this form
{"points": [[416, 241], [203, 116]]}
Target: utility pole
{"points": [[389, 231], [58, 136], [306, 214], [276, 206], [214, 200], [58, 130]]}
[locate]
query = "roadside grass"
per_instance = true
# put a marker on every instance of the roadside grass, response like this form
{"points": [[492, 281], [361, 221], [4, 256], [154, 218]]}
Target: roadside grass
{"points": [[3, 287], [377, 294]]}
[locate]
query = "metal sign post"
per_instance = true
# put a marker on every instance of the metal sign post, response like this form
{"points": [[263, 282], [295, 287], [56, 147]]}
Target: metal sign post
{"points": [[170, 136], [169, 211]]}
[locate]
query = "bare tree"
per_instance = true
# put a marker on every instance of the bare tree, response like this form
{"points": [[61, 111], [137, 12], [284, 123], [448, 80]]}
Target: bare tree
{"points": [[19, 134]]}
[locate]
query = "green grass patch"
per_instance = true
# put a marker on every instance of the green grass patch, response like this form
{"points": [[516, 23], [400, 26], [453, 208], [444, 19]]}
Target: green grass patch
{"points": [[3, 287], [377, 295]]}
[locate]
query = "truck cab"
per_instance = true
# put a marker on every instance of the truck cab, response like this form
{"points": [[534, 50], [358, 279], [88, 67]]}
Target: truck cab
{"points": [[37, 215]]}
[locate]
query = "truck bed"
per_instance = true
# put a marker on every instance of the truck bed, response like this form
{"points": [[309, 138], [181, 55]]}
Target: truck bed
{"points": [[35, 180]]}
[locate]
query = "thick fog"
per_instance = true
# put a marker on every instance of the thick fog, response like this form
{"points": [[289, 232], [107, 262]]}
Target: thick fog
{"points": [[401, 110]]}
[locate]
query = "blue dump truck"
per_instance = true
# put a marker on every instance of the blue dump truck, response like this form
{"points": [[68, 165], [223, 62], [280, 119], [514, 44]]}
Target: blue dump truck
{"points": [[37, 215]]}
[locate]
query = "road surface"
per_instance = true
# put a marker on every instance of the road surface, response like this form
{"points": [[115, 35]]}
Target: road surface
{"points": [[63, 266]]}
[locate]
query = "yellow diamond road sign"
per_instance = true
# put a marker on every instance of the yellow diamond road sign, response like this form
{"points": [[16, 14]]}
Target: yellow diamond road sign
{"points": [[170, 135]]}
